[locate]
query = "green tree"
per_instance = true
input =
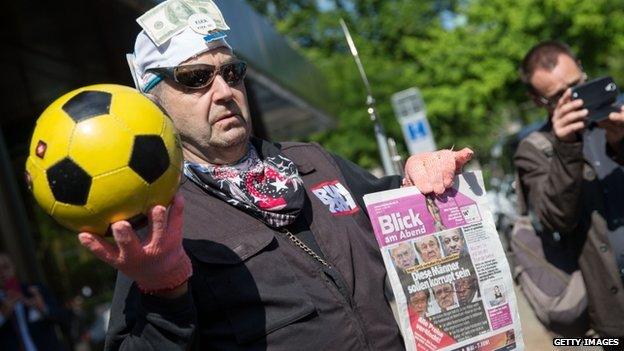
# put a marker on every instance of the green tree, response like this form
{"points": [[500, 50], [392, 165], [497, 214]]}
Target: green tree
{"points": [[463, 55]]}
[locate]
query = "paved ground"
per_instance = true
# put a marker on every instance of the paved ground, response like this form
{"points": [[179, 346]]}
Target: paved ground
{"points": [[535, 335]]}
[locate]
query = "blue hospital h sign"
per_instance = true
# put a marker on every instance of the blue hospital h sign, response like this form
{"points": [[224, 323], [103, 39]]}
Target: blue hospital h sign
{"points": [[417, 129], [410, 112]]}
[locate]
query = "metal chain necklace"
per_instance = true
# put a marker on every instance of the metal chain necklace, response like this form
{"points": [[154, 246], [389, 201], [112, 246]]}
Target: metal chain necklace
{"points": [[304, 247]]}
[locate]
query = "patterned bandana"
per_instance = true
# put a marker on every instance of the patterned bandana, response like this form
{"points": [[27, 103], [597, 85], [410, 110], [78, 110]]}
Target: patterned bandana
{"points": [[270, 189]]}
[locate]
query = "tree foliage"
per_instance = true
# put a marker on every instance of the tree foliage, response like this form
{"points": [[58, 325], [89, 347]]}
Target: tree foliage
{"points": [[463, 55]]}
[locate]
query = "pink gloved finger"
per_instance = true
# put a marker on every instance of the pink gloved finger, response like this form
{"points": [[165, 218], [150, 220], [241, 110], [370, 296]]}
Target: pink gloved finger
{"points": [[406, 182], [127, 240], [158, 265], [165, 264], [438, 189], [419, 177], [437, 180], [434, 170], [448, 170], [157, 218], [461, 158], [175, 220], [101, 248], [438, 165]]}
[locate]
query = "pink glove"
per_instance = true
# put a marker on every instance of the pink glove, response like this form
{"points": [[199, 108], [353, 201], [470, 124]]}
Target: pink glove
{"points": [[159, 263], [434, 171]]}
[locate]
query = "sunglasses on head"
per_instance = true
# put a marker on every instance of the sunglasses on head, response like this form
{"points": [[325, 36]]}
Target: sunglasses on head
{"points": [[201, 75]]}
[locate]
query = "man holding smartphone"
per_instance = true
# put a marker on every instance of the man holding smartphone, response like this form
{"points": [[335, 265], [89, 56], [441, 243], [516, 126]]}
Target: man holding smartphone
{"points": [[572, 178]]}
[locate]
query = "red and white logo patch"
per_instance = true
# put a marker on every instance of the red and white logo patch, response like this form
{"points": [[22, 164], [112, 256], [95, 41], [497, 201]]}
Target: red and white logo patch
{"points": [[336, 197]]}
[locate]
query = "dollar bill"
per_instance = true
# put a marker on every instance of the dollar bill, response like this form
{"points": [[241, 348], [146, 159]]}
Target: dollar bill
{"points": [[171, 17], [165, 20], [210, 8]]}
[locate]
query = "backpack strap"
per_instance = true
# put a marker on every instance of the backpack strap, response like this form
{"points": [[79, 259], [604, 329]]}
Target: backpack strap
{"points": [[541, 142]]}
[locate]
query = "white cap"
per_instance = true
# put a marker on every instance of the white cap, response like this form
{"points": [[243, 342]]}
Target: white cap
{"points": [[176, 50]]}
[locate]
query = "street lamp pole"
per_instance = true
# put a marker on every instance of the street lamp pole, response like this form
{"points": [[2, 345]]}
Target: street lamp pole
{"points": [[380, 134]]}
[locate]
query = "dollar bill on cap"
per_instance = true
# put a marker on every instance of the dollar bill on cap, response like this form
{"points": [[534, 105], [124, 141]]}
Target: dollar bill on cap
{"points": [[170, 17], [210, 8]]}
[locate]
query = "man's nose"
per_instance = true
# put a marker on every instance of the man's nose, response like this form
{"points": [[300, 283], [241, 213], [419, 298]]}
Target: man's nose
{"points": [[221, 89]]}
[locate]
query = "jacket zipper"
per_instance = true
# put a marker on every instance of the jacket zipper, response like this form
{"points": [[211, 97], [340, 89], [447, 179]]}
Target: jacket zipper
{"points": [[305, 248]]}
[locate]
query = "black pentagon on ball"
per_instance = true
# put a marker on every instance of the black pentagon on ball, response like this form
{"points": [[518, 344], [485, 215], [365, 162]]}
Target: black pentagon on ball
{"points": [[69, 183], [150, 158], [87, 104]]}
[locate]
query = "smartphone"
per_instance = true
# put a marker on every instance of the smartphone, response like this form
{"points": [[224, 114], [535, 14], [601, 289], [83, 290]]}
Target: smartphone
{"points": [[599, 97]]}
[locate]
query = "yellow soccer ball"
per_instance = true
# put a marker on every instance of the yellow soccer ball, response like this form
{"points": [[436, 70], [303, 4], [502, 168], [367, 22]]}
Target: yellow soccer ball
{"points": [[102, 154]]}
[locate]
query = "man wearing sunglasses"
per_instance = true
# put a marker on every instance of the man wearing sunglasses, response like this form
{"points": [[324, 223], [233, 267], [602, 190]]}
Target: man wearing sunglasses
{"points": [[572, 179], [267, 246]]}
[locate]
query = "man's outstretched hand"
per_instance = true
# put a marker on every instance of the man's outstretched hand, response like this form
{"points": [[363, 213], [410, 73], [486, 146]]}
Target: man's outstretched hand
{"points": [[158, 264], [434, 171]]}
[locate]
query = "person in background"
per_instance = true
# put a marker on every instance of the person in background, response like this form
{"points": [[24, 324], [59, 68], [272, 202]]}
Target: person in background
{"points": [[28, 314], [575, 189]]}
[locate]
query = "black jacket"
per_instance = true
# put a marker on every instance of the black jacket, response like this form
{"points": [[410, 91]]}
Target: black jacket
{"points": [[252, 288]]}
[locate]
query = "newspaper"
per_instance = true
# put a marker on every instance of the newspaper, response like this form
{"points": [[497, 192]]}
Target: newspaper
{"points": [[447, 268]]}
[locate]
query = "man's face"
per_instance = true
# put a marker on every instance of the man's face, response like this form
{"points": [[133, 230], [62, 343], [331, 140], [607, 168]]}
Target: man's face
{"points": [[418, 301], [429, 249], [465, 289], [452, 241], [444, 295], [552, 83], [213, 119], [404, 256]]}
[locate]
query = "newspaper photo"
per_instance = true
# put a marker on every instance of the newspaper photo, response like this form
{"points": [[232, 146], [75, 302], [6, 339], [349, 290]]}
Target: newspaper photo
{"points": [[447, 267]]}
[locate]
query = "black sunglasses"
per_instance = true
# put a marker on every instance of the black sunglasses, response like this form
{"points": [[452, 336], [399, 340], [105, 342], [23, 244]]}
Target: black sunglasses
{"points": [[201, 75]]}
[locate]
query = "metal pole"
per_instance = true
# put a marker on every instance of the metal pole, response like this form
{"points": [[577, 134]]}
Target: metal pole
{"points": [[397, 160], [380, 134]]}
